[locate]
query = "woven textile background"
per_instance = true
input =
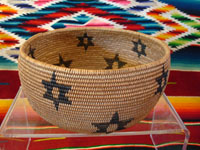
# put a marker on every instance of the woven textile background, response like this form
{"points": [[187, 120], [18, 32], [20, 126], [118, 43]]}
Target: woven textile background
{"points": [[176, 22]]}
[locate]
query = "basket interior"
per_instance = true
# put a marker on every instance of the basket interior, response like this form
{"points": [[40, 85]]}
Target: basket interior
{"points": [[94, 49]]}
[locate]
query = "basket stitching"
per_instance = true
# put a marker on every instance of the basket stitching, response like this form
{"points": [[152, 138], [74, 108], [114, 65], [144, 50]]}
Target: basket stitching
{"points": [[66, 63], [136, 48], [31, 52], [63, 89], [85, 45], [115, 59], [102, 127], [159, 81]]}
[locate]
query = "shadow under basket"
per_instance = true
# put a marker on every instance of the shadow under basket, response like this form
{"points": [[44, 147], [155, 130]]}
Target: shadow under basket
{"points": [[93, 80]]}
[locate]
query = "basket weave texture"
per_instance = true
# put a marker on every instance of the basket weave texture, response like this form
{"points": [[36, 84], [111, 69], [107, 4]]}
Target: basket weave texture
{"points": [[93, 80]]}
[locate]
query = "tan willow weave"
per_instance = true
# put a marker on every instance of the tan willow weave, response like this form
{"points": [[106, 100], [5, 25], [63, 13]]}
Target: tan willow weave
{"points": [[93, 80]]}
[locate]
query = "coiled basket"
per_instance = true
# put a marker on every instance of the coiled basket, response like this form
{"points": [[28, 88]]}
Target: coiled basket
{"points": [[93, 80]]}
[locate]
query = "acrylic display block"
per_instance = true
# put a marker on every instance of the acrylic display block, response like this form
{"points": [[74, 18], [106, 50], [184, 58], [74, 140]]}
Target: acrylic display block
{"points": [[22, 126]]}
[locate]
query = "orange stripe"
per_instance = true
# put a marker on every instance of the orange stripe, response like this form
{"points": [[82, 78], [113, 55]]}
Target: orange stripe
{"points": [[179, 27], [166, 8], [5, 105], [165, 36], [157, 14], [7, 9], [186, 104], [2, 15]]}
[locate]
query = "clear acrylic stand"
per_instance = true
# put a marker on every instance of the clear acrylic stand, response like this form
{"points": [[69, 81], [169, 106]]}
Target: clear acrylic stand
{"points": [[21, 125]]}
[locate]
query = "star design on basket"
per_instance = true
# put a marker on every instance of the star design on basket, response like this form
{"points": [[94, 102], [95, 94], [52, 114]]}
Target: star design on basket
{"points": [[63, 89], [83, 39], [160, 81], [62, 62], [139, 48], [102, 127], [31, 52], [110, 62]]}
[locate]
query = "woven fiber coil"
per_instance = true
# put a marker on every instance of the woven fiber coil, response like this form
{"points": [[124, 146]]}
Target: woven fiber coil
{"points": [[93, 80]]}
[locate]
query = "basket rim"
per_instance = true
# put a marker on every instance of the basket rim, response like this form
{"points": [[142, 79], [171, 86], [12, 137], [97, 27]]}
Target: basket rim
{"points": [[96, 71]]}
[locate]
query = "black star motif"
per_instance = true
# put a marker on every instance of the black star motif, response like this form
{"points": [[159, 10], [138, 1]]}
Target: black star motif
{"points": [[160, 81], [61, 62], [136, 48], [102, 127], [63, 89], [82, 41], [31, 52], [111, 61]]}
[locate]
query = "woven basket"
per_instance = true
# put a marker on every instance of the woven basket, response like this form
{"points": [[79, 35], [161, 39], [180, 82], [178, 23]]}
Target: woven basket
{"points": [[93, 80]]}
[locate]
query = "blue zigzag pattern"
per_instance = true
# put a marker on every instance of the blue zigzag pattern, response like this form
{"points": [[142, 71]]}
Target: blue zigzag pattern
{"points": [[80, 20], [14, 25]]}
